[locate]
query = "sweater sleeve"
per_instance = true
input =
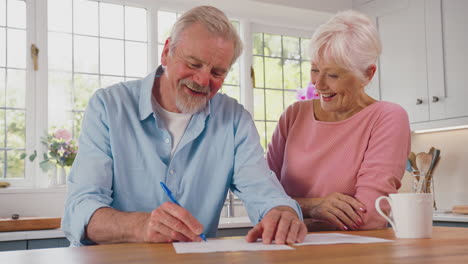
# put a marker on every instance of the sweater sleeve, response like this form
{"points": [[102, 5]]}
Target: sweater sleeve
{"points": [[384, 163]]}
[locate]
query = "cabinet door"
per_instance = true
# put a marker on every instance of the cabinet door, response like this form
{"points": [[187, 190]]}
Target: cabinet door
{"points": [[13, 245], [48, 243], [455, 39], [403, 75]]}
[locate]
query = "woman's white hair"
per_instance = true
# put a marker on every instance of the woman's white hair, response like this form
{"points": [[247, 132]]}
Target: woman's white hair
{"points": [[214, 20], [350, 40]]}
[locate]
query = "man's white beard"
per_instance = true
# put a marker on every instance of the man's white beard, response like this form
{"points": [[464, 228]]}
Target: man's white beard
{"points": [[190, 104]]}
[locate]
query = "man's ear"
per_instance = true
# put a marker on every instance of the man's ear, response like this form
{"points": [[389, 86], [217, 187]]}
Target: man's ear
{"points": [[165, 52]]}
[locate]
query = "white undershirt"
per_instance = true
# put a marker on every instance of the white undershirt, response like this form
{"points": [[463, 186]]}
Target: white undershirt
{"points": [[176, 123]]}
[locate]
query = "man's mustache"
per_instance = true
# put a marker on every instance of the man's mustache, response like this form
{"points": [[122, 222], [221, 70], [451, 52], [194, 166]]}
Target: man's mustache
{"points": [[195, 86]]}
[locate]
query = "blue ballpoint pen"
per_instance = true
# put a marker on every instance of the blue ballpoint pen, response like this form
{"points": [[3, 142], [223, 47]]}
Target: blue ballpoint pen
{"points": [[173, 199]]}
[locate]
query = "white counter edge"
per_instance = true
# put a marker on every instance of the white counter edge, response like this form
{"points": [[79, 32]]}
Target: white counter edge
{"points": [[224, 223]]}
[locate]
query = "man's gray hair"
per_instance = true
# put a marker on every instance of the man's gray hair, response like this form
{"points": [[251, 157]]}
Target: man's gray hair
{"points": [[214, 20]]}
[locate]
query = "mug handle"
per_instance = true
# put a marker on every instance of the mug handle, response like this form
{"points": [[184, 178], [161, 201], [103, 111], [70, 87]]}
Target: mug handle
{"points": [[377, 207]]}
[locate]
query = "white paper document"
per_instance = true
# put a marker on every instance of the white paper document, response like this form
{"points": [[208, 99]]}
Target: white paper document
{"points": [[222, 245], [336, 238]]}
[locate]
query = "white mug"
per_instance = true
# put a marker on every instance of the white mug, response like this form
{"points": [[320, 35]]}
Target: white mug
{"points": [[412, 214]]}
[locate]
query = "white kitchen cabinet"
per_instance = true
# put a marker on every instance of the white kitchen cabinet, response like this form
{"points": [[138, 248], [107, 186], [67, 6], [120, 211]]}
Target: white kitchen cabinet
{"points": [[425, 58], [403, 75]]}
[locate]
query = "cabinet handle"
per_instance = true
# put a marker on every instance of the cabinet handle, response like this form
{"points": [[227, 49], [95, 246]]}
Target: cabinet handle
{"points": [[419, 101], [435, 99]]}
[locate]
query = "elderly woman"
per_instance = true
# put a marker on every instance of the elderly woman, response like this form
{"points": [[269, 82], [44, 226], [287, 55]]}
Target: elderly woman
{"points": [[335, 155]]}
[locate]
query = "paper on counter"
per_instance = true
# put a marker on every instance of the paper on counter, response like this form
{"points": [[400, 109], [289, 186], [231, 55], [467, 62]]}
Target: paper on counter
{"points": [[223, 245], [337, 238]]}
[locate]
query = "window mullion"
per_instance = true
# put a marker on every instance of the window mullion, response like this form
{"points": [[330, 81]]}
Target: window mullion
{"points": [[246, 62], [39, 90]]}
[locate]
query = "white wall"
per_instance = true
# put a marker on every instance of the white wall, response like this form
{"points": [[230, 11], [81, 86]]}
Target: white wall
{"points": [[451, 175]]}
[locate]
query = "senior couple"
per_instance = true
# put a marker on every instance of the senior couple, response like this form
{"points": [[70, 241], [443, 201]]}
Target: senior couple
{"points": [[328, 160]]}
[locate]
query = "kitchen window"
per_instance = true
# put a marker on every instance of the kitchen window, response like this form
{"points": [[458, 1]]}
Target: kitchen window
{"points": [[85, 45], [281, 66]]}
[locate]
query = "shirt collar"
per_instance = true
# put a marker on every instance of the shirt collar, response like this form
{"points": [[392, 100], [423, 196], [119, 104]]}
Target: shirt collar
{"points": [[145, 106]]}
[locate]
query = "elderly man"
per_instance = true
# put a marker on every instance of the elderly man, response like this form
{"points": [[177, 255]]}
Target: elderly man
{"points": [[173, 127]]}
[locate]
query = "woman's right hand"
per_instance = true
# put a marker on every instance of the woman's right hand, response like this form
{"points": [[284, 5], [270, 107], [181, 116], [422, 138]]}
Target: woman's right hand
{"points": [[340, 210]]}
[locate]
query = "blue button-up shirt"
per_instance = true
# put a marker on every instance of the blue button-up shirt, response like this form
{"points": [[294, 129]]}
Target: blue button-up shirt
{"points": [[125, 151]]}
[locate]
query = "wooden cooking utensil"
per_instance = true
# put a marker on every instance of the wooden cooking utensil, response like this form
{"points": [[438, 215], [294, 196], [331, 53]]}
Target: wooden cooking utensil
{"points": [[423, 161], [412, 159]]}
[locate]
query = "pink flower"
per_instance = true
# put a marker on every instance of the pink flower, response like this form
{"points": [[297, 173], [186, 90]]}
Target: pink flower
{"points": [[307, 93], [63, 134], [312, 92]]}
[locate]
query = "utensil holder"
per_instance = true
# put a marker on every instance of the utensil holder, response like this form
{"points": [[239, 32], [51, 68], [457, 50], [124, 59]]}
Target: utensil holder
{"points": [[423, 185]]}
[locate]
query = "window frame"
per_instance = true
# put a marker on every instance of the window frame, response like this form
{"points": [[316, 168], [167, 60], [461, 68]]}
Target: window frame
{"points": [[37, 81]]}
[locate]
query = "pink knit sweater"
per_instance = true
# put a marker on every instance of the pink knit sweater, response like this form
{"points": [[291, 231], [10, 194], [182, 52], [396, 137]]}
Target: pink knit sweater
{"points": [[363, 156]]}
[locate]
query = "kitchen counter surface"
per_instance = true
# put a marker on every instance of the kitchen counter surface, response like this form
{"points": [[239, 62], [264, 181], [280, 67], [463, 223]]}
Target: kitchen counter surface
{"points": [[224, 223], [449, 217]]}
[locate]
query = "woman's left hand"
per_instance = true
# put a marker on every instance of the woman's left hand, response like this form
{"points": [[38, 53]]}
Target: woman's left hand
{"points": [[340, 210]]}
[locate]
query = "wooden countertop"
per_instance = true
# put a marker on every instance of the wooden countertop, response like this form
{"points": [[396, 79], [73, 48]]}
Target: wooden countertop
{"points": [[448, 245]]}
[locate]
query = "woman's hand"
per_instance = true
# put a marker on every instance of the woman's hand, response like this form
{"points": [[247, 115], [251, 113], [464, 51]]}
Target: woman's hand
{"points": [[342, 211]]}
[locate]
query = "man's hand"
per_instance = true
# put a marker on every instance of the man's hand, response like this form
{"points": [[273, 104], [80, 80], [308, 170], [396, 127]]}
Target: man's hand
{"points": [[280, 224], [169, 223]]}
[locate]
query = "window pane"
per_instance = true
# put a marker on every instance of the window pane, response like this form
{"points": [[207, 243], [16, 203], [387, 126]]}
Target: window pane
{"points": [[165, 22], [233, 75], [15, 165], [60, 51], [16, 11], [77, 124], [107, 81], [160, 49], [289, 98], [85, 17], [232, 91], [16, 88], [16, 48], [305, 49], [258, 71], [305, 68], [272, 46], [59, 15], [259, 104], [2, 47], [262, 133], [292, 74], [16, 131], [2, 12], [135, 24], [291, 47], [112, 56], [111, 20], [136, 59], [273, 73], [2, 132], [60, 99], [86, 57], [274, 104], [257, 44], [2, 89], [84, 86]]}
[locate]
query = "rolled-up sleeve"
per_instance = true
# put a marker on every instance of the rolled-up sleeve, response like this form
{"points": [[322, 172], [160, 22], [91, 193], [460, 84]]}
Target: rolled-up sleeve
{"points": [[253, 181], [90, 179]]}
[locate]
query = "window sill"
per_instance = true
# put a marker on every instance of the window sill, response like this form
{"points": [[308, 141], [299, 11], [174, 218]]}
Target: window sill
{"points": [[54, 189]]}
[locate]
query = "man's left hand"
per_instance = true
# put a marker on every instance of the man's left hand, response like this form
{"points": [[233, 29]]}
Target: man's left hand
{"points": [[280, 224]]}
